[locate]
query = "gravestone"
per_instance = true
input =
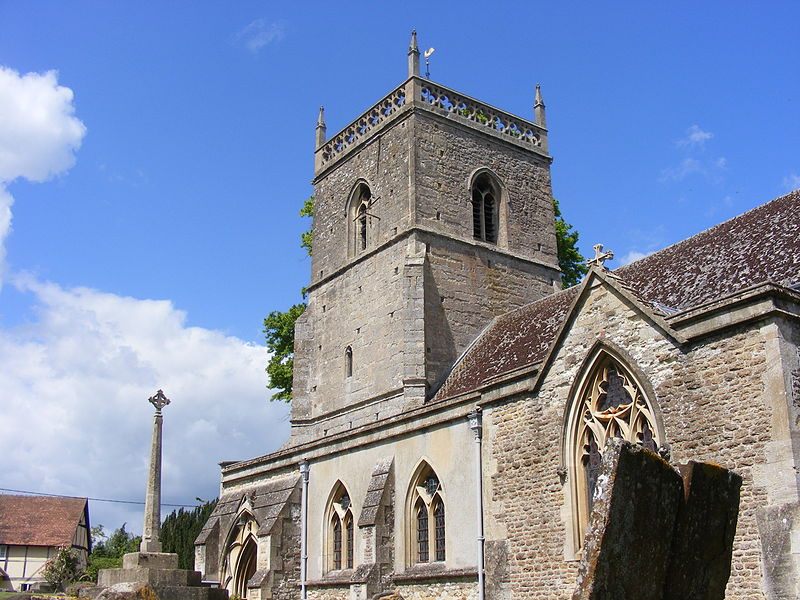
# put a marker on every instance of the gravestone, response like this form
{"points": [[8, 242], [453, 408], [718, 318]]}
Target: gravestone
{"points": [[657, 533]]}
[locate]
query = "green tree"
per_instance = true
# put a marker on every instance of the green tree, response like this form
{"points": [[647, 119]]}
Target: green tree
{"points": [[181, 528], [572, 263], [307, 237], [279, 332], [107, 551], [279, 329]]}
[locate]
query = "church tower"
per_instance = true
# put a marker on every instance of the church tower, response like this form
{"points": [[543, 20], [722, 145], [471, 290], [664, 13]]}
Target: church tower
{"points": [[433, 214]]}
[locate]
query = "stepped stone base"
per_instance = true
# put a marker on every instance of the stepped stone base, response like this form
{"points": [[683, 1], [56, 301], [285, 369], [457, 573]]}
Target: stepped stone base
{"points": [[151, 576], [142, 591]]}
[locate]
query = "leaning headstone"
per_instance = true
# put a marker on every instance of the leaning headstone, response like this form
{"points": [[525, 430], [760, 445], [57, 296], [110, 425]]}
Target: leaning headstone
{"points": [[628, 544], [656, 533], [703, 542]]}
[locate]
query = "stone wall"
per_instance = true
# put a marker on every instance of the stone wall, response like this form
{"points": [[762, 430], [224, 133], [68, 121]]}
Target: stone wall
{"points": [[447, 156], [711, 397], [423, 288]]}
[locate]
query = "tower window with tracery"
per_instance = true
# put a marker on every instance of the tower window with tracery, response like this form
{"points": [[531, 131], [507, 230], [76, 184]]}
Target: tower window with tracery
{"points": [[341, 541], [360, 219], [428, 517], [610, 404], [485, 198]]}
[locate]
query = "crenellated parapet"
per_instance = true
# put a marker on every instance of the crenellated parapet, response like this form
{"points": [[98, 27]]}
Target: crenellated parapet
{"points": [[419, 93]]}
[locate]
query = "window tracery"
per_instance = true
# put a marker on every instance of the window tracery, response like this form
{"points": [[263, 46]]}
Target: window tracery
{"points": [[340, 530], [360, 218], [428, 532], [485, 204], [609, 404]]}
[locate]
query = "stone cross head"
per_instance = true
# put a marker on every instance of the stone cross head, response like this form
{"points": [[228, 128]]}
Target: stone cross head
{"points": [[159, 401], [600, 257]]}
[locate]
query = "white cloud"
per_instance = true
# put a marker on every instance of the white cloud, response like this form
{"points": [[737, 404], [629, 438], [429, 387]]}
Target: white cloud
{"points": [[39, 135], [695, 137], [711, 170], [259, 33], [632, 256], [75, 385], [791, 182]]}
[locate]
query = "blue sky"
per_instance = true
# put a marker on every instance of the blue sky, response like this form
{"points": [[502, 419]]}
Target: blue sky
{"points": [[146, 248]]}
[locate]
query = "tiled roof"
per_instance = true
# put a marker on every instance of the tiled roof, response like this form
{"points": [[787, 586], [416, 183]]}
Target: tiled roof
{"points": [[39, 520], [761, 245], [268, 500], [514, 340]]}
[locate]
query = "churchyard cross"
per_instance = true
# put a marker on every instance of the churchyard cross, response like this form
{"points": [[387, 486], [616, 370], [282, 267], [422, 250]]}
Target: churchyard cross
{"points": [[152, 504]]}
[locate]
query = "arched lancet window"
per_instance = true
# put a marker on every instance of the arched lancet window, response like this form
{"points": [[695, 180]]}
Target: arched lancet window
{"points": [[609, 403], [341, 535], [360, 218], [485, 208], [428, 533], [348, 362]]}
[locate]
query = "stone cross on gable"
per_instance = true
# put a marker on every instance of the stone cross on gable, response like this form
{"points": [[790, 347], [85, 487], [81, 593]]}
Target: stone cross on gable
{"points": [[600, 257]]}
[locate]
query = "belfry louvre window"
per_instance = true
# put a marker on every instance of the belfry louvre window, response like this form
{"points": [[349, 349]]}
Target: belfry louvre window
{"points": [[609, 404], [341, 543], [360, 219], [485, 198], [428, 518]]}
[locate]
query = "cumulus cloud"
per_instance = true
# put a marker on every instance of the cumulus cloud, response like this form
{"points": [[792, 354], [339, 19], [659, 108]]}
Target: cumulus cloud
{"points": [[695, 137], [791, 182], [39, 135], [75, 385], [259, 33]]}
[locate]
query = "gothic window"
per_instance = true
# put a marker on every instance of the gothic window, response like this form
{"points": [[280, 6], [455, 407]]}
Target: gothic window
{"points": [[485, 208], [341, 537], [428, 534], [609, 404], [360, 219], [348, 362]]}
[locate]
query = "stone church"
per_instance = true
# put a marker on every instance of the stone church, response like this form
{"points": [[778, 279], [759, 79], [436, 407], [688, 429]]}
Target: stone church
{"points": [[451, 403]]}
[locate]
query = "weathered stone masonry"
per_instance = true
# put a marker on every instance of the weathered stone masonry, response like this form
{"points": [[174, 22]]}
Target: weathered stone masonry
{"points": [[416, 316]]}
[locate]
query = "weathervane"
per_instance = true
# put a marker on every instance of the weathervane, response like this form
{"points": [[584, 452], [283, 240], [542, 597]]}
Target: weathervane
{"points": [[600, 257], [428, 53]]}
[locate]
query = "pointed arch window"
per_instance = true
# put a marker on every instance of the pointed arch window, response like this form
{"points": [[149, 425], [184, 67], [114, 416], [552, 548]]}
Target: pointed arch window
{"points": [[485, 208], [341, 538], [428, 532], [360, 219], [610, 403]]}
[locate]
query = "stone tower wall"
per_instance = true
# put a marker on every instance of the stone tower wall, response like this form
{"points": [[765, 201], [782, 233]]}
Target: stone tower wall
{"points": [[423, 288]]}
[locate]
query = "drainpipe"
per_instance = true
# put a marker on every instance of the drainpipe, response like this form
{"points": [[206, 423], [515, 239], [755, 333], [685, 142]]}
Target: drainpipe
{"points": [[304, 531], [476, 424]]}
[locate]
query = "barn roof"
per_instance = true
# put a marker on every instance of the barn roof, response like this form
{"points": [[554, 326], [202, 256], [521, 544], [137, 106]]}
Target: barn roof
{"points": [[39, 520], [759, 246]]}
